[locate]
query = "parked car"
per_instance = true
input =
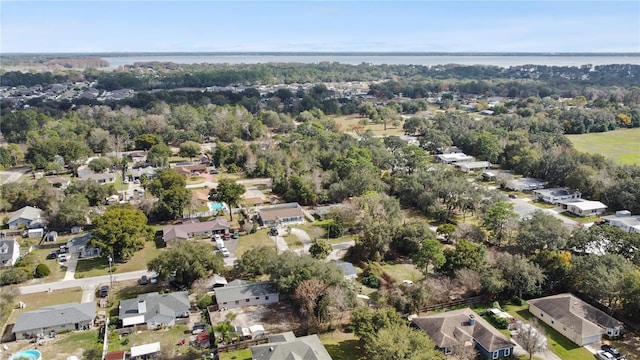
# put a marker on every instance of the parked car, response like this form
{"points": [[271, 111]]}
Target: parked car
{"points": [[603, 355], [225, 252], [144, 280], [513, 196], [213, 171], [154, 280], [104, 291], [198, 327], [235, 234], [53, 255], [62, 257], [273, 232], [136, 181], [611, 350]]}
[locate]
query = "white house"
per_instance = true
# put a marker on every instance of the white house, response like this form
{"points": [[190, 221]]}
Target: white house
{"points": [[575, 319], [9, 252], [581, 207], [469, 166], [282, 214], [243, 293], [555, 195], [625, 221], [453, 158], [28, 217]]}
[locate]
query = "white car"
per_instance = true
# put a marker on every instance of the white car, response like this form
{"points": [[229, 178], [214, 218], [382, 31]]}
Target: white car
{"points": [[62, 257], [603, 355], [225, 252]]}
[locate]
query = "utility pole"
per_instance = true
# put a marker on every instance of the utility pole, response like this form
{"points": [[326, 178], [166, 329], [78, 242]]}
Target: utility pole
{"points": [[110, 276]]}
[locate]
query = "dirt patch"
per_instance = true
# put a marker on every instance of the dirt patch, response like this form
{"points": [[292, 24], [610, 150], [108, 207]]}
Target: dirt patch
{"points": [[275, 318]]}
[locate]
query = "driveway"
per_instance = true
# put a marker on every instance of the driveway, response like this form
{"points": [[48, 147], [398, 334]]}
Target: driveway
{"points": [[525, 209], [304, 238], [13, 175]]}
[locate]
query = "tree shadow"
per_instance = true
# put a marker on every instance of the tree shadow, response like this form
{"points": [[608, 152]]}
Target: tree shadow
{"points": [[346, 350]]}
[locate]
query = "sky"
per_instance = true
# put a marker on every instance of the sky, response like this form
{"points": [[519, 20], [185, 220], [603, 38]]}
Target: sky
{"points": [[319, 26]]}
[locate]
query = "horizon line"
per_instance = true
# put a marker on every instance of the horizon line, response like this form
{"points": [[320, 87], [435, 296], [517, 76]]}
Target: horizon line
{"points": [[343, 53]]}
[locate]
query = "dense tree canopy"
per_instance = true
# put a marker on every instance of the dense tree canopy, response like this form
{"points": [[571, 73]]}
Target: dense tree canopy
{"points": [[120, 231], [190, 261]]}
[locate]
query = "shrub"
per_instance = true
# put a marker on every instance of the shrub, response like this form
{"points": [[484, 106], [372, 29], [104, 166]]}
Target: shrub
{"points": [[42, 270], [500, 322], [204, 301], [371, 281]]}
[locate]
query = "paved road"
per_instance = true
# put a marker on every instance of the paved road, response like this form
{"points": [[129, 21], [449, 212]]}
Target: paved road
{"points": [[248, 182], [84, 283], [13, 175], [525, 209]]}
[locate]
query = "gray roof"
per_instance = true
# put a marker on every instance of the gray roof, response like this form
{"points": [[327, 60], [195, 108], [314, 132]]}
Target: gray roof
{"points": [[347, 268], [52, 316], [452, 327], [289, 210], [240, 290], [27, 213], [7, 245], [302, 348], [576, 314], [160, 308]]}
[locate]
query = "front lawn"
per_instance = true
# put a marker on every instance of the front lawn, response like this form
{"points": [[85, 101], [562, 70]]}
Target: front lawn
{"points": [[248, 242], [100, 265], [403, 272], [57, 270]]}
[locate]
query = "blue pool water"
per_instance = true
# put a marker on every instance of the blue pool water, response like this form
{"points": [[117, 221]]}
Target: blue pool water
{"points": [[27, 354], [217, 206]]}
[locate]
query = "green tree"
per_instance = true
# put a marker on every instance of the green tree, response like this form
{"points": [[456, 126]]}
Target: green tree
{"points": [[465, 255], [173, 196], [228, 192], [100, 164], [541, 231], [400, 342], [366, 322], [159, 154], [445, 230], [121, 231], [146, 141], [430, 254], [190, 261], [498, 218], [71, 211], [521, 276], [190, 149], [320, 248]]}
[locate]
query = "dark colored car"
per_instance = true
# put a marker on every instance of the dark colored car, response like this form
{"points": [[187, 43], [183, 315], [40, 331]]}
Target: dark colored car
{"points": [[144, 280], [611, 350], [53, 255], [273, 232], [513, 196], [104, 291]]}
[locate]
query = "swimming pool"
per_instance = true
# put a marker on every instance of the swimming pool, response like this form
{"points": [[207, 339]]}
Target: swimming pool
{"points": [[217, 206], [27, 354]]}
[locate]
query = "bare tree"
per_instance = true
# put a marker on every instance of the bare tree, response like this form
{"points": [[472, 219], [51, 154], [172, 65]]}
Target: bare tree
{"points": [[530, 338], [464, 350]]}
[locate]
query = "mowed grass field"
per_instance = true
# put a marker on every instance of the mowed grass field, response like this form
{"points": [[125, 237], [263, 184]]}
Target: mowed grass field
{"points": [[622, 146], [350, 124]]}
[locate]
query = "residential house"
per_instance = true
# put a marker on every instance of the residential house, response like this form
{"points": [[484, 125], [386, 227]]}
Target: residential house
{"points": [[581, 207], [101, 178], [624, 220], [348, 271], [281, 214], [575, 319], [464, 327], [56, 318], [154, 309], [469, 166], [137, 173], [9, 252], [555, 195], [189, 170], [194, 229], [58, 182], [288, 346], [28, 217], [216, 281], [525, 184], [82, 245], [243, 293], [146, 351], [449, 150], [200, 197], [138, 156], [453, 158]]}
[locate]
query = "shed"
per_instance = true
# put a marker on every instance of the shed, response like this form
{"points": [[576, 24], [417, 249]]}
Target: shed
{"points": [[145, 350]]}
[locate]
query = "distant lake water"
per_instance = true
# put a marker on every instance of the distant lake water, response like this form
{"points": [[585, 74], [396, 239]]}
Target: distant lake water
{"points": [[355, 59]]}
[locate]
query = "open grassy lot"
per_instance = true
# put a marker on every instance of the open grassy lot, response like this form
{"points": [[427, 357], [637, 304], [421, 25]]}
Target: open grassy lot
{"points": [[100, 266], [403, 272], [351, 124], [293, 242], [167, 337], [556, 342], [259, 238], [57, 270], [622, 146]]}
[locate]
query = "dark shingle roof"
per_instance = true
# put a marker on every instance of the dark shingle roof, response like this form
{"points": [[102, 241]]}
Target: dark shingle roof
{"points": [[453, 327], [52, 316], [160, 308], [240, 290]]}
